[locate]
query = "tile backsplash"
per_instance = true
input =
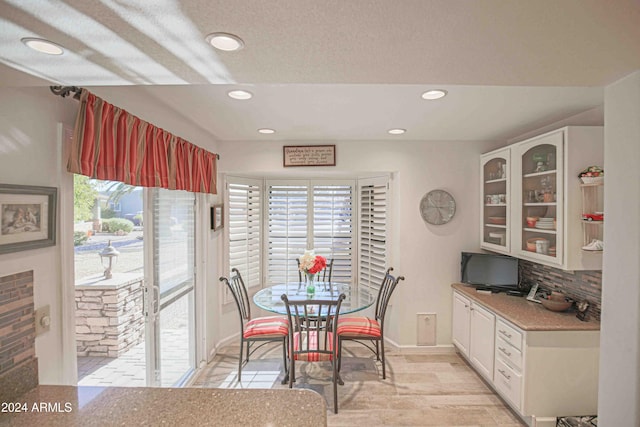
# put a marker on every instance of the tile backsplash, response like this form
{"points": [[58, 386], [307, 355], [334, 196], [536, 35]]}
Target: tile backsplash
{"points": [[578, 285], [18, 363]]}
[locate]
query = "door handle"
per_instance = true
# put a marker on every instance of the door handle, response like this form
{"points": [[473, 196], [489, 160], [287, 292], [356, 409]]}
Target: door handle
{"points": [[156, 300]]}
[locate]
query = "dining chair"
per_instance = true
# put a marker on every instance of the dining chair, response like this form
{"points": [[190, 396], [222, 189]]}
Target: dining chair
{"points": [[260, 330], [365, 330], [310, 336]]}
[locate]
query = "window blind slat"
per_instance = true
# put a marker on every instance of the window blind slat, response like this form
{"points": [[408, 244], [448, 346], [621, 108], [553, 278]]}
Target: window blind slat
{"points": [[244, 225], [373, 234]]}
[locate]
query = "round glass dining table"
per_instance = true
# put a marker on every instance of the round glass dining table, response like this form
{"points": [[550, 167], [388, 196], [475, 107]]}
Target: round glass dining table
{"points": [[356, 299]]}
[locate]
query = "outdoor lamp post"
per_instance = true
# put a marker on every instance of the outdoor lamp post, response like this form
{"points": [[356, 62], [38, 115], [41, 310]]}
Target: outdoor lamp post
{"points": [[109, 257]]}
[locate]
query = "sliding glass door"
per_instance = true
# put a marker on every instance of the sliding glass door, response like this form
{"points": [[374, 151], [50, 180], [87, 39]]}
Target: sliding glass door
{"points": [[169, 290]]}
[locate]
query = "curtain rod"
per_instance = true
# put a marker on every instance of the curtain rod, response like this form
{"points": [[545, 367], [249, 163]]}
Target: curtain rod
{"points": [[65, 91]]}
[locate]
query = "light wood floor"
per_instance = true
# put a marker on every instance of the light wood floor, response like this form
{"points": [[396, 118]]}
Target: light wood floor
{"points": [[420, 389]]}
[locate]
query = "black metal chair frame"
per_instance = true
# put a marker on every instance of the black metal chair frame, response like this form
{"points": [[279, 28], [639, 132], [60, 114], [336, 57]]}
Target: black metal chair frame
{"points": [[322, 319], [387, 287], [241, 297]]}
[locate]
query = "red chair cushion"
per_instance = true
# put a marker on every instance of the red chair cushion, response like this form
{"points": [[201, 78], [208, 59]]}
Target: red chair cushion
{"points": [[266, 327], [311, 355], [358, 327]]}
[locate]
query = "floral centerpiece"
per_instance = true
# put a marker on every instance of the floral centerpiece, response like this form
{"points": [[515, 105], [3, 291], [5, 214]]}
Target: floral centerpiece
{"points": [[310, 265]]}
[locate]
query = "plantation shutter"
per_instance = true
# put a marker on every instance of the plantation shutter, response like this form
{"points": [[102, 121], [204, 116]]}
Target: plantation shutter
{"points": [[244, 224], [373, 231], [288, 221], [333, 227]]}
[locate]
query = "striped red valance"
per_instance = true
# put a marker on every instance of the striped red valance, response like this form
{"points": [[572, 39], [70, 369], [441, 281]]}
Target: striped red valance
{"points": [[111, 144]]}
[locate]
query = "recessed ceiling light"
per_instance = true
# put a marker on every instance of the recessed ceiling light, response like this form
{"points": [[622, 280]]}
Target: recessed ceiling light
{"points": [[240, 94], [397, 131], [266, 131], [225, 41], [434, 94], [43, 46]]}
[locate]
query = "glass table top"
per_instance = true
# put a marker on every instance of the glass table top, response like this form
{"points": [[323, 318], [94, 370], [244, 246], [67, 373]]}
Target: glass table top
{"points": [[356, 299]]}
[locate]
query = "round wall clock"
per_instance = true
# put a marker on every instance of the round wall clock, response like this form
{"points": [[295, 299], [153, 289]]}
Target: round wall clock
{"points": [[437, 207]]}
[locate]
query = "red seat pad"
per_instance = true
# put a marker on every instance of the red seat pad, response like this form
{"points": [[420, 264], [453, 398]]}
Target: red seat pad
{"points": [[266, 327], [358, 327], [309, 341]]}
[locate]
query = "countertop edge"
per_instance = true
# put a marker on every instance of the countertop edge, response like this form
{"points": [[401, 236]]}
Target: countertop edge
{"points": [[88, 406], [526, 315]]}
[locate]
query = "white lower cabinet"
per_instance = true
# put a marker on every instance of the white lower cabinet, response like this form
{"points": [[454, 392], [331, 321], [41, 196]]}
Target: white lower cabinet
{"points": [[473, 328], [482, 339], [541, 374], [461, 323], [508, 382]]}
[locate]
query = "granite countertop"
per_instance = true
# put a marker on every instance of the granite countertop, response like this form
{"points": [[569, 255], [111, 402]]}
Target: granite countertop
{"points": [[527, 315], [143, 406]]}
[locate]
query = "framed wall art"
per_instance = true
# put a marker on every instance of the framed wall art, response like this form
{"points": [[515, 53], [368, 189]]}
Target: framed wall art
{"points": [[217, 217], [27, 217], [309, 155]]}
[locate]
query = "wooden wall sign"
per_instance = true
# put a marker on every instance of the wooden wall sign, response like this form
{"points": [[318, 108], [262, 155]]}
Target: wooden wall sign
{"points": [[309, 155]]}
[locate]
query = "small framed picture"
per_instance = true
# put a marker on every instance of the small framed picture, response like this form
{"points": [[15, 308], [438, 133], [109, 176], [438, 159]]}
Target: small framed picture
{"points": [[217, 217], [27, 217]]}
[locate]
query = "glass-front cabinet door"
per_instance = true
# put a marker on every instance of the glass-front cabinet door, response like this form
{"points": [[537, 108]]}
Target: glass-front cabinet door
{"points": [[495, 190], [538, 217]]}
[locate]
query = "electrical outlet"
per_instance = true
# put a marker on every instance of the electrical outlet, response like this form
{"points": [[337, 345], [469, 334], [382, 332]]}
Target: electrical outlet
{"points": [[43, 319]]}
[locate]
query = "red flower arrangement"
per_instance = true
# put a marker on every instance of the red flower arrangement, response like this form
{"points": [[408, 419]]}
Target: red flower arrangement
{"points": [[312, 264]]}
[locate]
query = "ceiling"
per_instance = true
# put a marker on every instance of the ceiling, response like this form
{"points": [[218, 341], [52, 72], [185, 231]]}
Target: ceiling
{"points": [[336, 69]]}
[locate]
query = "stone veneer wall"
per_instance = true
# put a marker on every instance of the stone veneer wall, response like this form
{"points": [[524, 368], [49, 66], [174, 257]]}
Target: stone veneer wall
{"points": [[18, 363], [109, 317], [578, 285]]}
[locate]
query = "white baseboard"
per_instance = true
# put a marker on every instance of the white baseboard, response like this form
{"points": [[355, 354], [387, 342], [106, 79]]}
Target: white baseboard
{"points": [[403, 349], [233, 339], [421, 349]]}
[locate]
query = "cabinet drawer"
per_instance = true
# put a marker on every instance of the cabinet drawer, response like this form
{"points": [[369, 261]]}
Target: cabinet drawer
{"points": [[509, 334], [509, 383], [510, 354]]}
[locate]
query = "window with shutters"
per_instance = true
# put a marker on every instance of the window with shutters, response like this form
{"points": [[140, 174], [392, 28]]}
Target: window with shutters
{"points": [[270, 226], [373, 230], [333, 227], [244, 223], [309, 215]]}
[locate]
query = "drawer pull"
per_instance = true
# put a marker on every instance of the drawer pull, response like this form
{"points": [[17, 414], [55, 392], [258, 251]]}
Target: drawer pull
{"points": [[504, 350], [505, 334], [466, 306], [504, 374]]}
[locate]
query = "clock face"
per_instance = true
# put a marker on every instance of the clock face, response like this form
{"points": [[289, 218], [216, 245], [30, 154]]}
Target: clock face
{"points": [[437, 207]]}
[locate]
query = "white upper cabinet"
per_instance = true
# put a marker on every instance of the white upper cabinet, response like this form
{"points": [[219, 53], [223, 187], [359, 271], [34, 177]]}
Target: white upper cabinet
{"points": [[539, 199], [495, 188], [543, 197]]}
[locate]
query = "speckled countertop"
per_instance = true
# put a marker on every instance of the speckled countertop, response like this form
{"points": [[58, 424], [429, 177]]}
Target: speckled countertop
{"points": [[527, 315], [142, 406]]}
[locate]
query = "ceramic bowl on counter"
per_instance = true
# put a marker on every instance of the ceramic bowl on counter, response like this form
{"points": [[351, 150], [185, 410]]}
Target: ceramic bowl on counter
{"points": [[557, 296], [555, 305]]}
